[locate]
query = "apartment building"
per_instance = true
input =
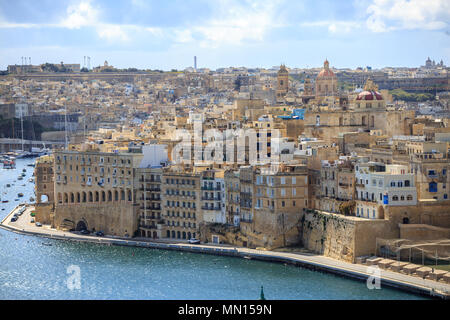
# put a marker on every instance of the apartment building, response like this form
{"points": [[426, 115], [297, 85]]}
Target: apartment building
{"points": [[95, 191], [232, 197], [213, 196], [279, 198], [337, 184], [430, 167], [379, 185], [181, 203], [148, 196]]}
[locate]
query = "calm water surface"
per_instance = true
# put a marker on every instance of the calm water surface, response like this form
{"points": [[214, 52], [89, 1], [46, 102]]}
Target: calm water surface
{"points": [[31, 270]]}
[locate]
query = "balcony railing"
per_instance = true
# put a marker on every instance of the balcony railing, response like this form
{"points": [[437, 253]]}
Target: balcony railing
{"points": [[212, 208]]}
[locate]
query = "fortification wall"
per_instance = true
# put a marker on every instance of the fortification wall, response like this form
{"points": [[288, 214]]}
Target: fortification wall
{"points": [[119, 219]]}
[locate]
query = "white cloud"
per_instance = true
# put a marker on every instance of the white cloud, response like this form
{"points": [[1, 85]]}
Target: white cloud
{"points": [[334, 26], [388, 15], [80, 15], [234, 23], [112, 33]]}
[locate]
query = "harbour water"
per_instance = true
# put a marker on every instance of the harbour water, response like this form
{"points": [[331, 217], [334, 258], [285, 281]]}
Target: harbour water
{"points": [[37, 268]]}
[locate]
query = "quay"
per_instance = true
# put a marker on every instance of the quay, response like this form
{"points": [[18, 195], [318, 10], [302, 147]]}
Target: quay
{"points": [[360, 272]]}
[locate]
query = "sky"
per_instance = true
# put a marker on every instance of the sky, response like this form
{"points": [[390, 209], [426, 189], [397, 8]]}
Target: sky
{"points": [[167, 34]]}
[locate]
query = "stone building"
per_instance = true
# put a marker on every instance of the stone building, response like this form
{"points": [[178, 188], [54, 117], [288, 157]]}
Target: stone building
{"points": [[95, 191], [148, 196], [279, 200], [213, 196], [44, 189], [232, 193], [181, 202], [379, 186]]}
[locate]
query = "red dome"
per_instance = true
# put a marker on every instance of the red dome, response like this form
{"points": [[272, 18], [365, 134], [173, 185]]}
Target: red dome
{"points": [[369, 95], [326, 73]]}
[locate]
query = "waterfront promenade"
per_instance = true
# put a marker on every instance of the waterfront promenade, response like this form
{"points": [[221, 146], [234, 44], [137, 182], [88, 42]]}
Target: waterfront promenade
{"points": [[315, 262]]}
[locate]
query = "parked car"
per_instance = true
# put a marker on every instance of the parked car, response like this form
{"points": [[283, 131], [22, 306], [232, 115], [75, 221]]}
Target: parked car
{"points": [[99, 234], [38, 224], [84, 231], [194, 241]]}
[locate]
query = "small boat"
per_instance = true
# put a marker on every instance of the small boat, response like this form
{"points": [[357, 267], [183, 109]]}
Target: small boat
{"points": [[8, 185], [20, 195], [5, 201], [47, 244], [31, 199], [24, 170], [30, 180], [20, 178]]}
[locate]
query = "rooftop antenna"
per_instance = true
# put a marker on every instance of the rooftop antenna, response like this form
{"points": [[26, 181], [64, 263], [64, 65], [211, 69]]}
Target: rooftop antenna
{"points": [[30, 60], [89, 63], [84, 62]]}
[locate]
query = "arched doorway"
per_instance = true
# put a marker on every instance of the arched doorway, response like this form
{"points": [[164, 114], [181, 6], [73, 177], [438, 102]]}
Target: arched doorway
{"points": [[81, 225], [405, 220]]}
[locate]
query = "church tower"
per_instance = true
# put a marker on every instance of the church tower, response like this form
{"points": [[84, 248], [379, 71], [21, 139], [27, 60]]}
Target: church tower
{"points": [[282, 83]]}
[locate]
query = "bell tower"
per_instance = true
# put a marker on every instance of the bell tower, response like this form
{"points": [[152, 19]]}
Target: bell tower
{"points": [[282, 83]]}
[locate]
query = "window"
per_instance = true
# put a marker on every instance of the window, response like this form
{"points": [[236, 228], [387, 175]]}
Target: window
{"points": [[409, 197], [432, 187], [395, 198]]}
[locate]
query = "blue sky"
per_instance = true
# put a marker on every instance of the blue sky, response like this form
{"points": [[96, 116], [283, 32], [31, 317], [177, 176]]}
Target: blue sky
{"points": [[160, 34]]}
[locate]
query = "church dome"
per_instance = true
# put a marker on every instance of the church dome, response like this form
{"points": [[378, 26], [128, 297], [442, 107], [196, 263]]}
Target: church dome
{"points": [[326, 71], [370, 92], [369, 95]]}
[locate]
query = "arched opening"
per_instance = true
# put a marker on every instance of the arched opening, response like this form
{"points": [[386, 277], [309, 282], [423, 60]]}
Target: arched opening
{"points": [[66, 198], [178, 234], [59, 197], [173, 234], [90, 196], [116, 195], [103, 196], [130, 197], [168, 234], [155, 235], [109, 196], [189, 235], [122, 195], [97, 197], [84, 196], [81, 225], [405, 220], [380, 213], [72, 197], [44, 198], [184, 235]]}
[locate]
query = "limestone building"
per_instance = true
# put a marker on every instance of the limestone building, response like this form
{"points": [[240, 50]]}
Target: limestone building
{"points": [[181, 202], [95, 191]]}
